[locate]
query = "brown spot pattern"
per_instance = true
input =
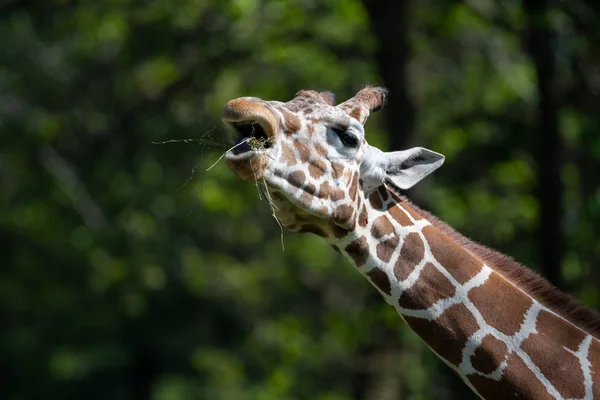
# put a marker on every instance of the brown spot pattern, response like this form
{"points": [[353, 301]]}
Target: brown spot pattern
{"points": [[357, 114], [416, 216], [518, 382], [305, 198], [358, 250], [292, 123], [303, 151], [413, 251], [337, 169], [326, 191], [343, 214], [489, 355], [502, 305], [363, 218], [317, 168], [375, 201], [431, 287], [386, 248], [381, 227], [320, 149], [400, 216], [546, 347], [380, 279], [288, 154], [447, 334], [459, 263], [297, 179], [353, 186]]}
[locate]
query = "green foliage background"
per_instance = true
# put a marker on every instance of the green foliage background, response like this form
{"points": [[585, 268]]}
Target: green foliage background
{"points": [[128, 272]]}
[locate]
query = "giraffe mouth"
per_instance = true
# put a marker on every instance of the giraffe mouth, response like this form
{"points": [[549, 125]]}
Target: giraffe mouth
{"points": [[253, 124], [251, 136]]}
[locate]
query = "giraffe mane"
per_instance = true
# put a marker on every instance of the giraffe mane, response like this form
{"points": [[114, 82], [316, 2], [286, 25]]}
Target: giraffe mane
{"points": [[524, 278]]}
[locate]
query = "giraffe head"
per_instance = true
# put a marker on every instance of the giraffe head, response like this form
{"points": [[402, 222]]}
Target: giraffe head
{"points": [[313, 157]]}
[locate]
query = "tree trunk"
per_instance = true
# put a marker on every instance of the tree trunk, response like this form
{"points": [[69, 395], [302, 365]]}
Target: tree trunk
{"points": [[389, 24], [548, 148]]}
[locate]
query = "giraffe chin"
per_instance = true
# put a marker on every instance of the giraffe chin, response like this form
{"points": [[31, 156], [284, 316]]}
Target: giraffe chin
{"points": [[248, 166]]}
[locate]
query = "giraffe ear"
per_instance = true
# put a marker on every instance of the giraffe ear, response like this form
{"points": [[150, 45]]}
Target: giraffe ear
{"points": [[406, 168]]}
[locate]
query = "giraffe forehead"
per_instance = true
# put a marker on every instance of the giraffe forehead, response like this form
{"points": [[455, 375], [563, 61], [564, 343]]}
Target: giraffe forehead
{"points": [[312, 111]]}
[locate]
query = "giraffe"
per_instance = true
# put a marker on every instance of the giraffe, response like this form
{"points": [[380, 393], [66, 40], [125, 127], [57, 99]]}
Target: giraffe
{"points": [[502, 328]]}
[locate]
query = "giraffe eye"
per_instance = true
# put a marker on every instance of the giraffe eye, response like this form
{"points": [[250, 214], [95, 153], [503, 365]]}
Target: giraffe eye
{"points": [[347, 139]]}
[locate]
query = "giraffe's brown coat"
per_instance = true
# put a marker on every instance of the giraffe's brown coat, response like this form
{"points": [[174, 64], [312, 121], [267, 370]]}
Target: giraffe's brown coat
{"points": [[317, 168], [297, 179], [381, 227], [431, 287], [326, 191], [518, 382], [357, 114], [380, 279], [400, 216], [447, 334], [321, 150], [353, 186], [292, 123], [547, 346], [413, 251], [386, 248], [375, 201], [502, 305], [363, 217], [460, 264], [358, 250], [306, 198], [489, 355], [343, 214], [416, 216], [288, 154], [337, 169], [302, 150]]}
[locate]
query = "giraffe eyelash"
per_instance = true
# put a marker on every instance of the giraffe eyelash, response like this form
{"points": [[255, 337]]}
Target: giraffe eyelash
{"points": [[346, 138]]}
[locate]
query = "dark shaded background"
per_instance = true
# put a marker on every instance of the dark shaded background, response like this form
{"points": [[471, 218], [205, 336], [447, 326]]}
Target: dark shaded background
{"points": [[128, 272]]}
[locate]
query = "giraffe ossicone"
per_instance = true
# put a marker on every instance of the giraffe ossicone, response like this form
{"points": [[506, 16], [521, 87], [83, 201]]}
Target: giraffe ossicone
{"points": [[501, 327]]}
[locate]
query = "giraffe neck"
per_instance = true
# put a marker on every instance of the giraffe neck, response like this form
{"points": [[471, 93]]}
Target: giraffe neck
{"points": [[501, 340]]}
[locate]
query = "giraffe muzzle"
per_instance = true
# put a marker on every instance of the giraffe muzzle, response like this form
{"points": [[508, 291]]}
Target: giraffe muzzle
{"points": [[254, 127], [253, 123]]}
